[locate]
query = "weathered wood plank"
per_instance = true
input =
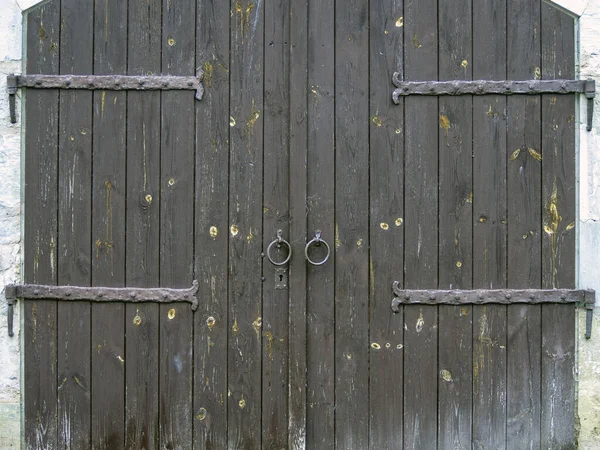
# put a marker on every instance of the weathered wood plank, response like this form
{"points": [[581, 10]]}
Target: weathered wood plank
{"points": [[297, 380], [421, 230], [40, 229], [142, 252], [489, 227], [276, 216], [246, 237], [558, 242], [74, 228], [351, 224], [320, 203], [211, 232], [386, 226], [524, 232], [177, 167], [108, 228]]}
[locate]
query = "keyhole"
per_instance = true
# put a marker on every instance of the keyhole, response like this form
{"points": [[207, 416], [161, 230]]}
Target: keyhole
{"points": [[280, 278]]}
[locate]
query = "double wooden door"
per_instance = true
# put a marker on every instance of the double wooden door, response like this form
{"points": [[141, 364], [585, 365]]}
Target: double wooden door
{"points": [[297, 132]]}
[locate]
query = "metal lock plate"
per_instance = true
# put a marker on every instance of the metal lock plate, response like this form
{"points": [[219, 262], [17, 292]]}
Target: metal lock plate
{"points": [[281, 278]]}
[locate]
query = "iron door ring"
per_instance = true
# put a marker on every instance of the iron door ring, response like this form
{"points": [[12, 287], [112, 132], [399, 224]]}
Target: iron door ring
{"points": [[317, 240], [278, 242]]}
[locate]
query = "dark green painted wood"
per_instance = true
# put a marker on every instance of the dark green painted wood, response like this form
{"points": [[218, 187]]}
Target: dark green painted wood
{"points": [[421, 227], [74, 229], [524, 232], [108, 228], [351, 224], [318, 209], [142, 243], [558, 246], [212, 228], [40, 230], [276, 216], [177, 226], [386, 234], [246, 237], [297, 400], [489, 227], [455, 139]]}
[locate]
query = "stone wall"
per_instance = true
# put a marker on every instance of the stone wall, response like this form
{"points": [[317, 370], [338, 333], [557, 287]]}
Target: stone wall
{"points": [[589, 226]]}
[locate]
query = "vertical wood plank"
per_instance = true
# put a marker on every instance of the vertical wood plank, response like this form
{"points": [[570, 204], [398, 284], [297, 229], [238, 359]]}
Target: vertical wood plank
{"points": [[455, 382], [74, 228], [524, 232], [386, 225], [558, 220], [351, 224], [319, 206], [421, 230], [40, 229], [142, 245], [298, 200], [489, 227], [246, 239], [276, 216], [211, 232], [108, 227], [177, 226]]}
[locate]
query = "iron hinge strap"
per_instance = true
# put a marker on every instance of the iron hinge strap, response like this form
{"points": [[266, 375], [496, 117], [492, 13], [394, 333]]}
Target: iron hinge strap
{"points": [[103, 82], [580, 297], [97, 294], [506, 87]]}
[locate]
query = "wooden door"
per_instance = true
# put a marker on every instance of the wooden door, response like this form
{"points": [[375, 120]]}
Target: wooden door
{"points": [[297, 132]]}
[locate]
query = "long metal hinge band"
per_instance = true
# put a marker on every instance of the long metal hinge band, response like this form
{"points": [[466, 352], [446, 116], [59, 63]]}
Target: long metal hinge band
{"points": [[104, 82], [99, 294], [581, 297], [506, 87]]}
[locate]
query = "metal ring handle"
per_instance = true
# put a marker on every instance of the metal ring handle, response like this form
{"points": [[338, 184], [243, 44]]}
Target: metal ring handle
{"points": [[317, 240], [279, 241]]}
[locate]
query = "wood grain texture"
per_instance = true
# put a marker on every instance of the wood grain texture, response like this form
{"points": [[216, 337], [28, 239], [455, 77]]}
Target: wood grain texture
{"points": [[558, 392], [351, 225], [177, 168], [320, 203], [297, 439], [41, 230], [74, 229], [386, 235], [212, 229], [421, 230], [276, 216], [246, 237], [142, 243]]}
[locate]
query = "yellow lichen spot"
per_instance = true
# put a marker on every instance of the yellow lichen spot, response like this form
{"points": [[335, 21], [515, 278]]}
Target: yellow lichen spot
{"points": [[464, 64], [171, 314], [388, 345], [377, 121], [483, 219], [398, 221], [171, 181], [515, 154], [250, 236], [398, 131], [416, 42], [359, 243], [234, 230], [257, 323], [338, 242], [399, 346], [121, 360], [444, 122], [375, 346], [464, 311], [348, 356], [470, 198], [570, 226], [446, 375], [242, 403], [458, 264], [534, 154], [137, 320], [210, 322], [231, 121], [548, 230], [201, 414], [72, 138], [537, 73], [386, 32], [171, 42], [384, 226], [148, 199], [214, 232], [524, 236], [420, 322], [400, 22], [208, 73], [235, 327]]}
